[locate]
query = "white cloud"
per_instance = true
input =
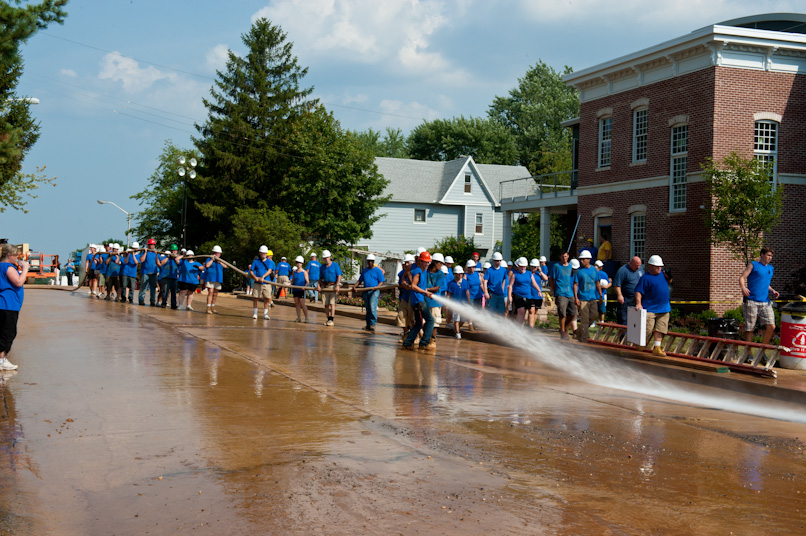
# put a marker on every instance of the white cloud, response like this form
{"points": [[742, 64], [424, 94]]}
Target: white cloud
{"points": [[217, 57], [70, 73], [128, 71]]}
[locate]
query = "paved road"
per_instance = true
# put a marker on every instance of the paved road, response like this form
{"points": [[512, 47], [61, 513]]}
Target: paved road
{"points": [[134, 420]]}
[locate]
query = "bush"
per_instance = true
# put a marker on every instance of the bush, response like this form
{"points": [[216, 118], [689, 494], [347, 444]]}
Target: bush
{"points": [[735, 314], [459, 248]]}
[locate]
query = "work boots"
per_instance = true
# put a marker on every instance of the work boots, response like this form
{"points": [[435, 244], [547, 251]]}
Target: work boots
{"points": [[431, 347]]}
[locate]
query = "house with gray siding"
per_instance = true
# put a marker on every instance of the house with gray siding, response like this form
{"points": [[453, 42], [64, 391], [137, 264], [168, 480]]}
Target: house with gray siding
{"points": [[432, 200]]}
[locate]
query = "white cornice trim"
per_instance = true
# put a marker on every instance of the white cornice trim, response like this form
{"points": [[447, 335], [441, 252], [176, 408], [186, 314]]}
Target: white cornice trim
{"points": [[767, 116]]}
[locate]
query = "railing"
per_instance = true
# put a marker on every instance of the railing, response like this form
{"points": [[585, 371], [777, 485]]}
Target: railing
{"points": [[560, 184]]}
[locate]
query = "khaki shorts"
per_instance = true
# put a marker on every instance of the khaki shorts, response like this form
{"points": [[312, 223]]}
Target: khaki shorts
{"points": [[262, 291], [656, 322], [405, 314], [566, 307], [436, 312], [329, 298], [757, 312], [283, 280]]}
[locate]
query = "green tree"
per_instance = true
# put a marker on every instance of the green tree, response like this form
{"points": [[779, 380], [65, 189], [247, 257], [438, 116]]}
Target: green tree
{"points": [[446, 139], [526, 237], [460, 248], [533, 111], [392, 145], [742, 205]]}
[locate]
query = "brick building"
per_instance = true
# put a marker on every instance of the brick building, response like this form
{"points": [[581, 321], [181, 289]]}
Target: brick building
{"points": [[649, 119]]}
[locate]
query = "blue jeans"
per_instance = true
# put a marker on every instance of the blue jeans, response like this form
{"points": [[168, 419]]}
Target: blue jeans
{"points": [[149, 280], [168, 285], [496, 304], [312, 293], [423, 320], [371, 305]]}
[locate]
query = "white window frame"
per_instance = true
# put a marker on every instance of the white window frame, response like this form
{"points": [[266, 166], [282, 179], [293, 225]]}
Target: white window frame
{"points": [[468, 183], [605, 142], [424, 213], [678, 168], [765, 148], [479, 215], [640, 134], [638, 234]]}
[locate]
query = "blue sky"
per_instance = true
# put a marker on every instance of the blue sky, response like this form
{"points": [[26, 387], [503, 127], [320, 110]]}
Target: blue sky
{"points": [[121, 77]]}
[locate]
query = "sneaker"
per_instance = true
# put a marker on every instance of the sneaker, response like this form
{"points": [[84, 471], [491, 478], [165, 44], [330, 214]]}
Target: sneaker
{"points": [[430, 347], [329, 323], [458, 335], [254, 316], [367, 328], [189, 308], [266, 317], [657, 351], [7, 365], [209, 310], [372, 329], [297, 320], [215, 311]]}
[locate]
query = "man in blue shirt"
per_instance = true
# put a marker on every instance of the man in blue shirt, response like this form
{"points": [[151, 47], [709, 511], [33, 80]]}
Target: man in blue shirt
{"points": [[626, 278], [148, 263], [495, 291], [561, 282], [329, 277], [312, 268], [214, 278], [652, 294], [371, 276], [755, 283], [283, 275], [587, 294], [129, 274], [168, 276], [604, 282], [261, 271], [414, 281]]}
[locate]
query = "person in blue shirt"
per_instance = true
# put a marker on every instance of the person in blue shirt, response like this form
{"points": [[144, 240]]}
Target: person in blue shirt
{"points": [[168, 274], [755, 284], [283, 273], [261, 270], [434, 283], [414, 281], [13, 273], [313, 277], [149, 269], [561, 282], [521, 284], [458, 289], [103, 255], [587, 294], [299, 278], [70, 268], [371, 276], [214, 278], [604, 283], [537, 293], [405, 314], [330, 278], [90, 269], [624, 283], [652, 294], [495, 279], [113, 264], [129, 274], [189, 276]]}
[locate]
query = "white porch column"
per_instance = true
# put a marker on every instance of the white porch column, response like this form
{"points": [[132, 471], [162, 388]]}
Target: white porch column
{"points": [[506, 239], [545, 232]]}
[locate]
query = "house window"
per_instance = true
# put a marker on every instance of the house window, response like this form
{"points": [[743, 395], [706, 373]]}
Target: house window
{"points": [[640, 135], [679, 166], [637, 235], [765, 147], [479, 223], [419, 215], [605, 131], [467, 183]]}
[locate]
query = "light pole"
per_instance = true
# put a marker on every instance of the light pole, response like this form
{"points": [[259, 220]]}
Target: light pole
{"points": [[128, 218], [185, 173]]}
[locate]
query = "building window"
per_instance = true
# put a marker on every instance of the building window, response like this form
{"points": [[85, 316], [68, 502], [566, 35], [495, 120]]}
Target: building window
{"points": [[765, 147], [419, 215], [605, 132], [479, 223], [640, 135], [637, 235], [467, 183], [679, 166]]}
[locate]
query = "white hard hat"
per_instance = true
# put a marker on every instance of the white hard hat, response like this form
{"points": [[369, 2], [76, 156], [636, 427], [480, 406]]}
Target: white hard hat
{"points": [[216, 249], [534, 262], [102, 249], [326, 254], [408, 257], [283, 258], [93, 246], [471, 263], [437, 257], [575, 264], [585, 254], [313, 254], [504, 264], [370, 257], [189, 253], [522, 262], [497, 256], [543, 259], [444, 269], [458, 269], [299, 259], [486, 265], [449, 259], [263, 249], [599, 263], [135, 245], [420, 250], [117, 246], [655, 260]]}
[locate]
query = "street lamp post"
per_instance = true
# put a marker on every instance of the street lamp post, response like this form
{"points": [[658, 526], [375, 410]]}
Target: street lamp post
{"points": [[128, 218], [185, 173]]}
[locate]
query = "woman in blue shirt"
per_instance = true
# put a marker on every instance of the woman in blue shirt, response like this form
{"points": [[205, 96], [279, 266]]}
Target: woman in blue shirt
{"points": [[113, 263], [12, 276], [189, 272], [521, 284], [214, 278], [299, 278]]}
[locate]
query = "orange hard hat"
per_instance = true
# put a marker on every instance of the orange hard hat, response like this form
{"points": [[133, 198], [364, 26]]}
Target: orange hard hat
{"points": [[425, 256]]}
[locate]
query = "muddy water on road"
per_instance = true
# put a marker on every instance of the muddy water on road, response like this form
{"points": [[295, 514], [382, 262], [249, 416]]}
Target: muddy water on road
{"points": [[133, 420]]}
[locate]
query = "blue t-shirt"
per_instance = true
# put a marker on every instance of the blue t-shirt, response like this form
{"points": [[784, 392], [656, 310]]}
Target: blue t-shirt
{"points": [[604, 278], [414, 296], [434, 279], [626, 280], [758, 282], [70, 269], [537, 293], [259, 268], [371, 277], [102, 263], [298, 278], [11, 296], [113, 268], [474, 281], [458, 291], [545, 269], [189, 271], [328, 274], [654, 293], [522, 284], [149, 261], [130, 265], [169, 269], [213, 271], [586, 279], [496, 280], [313, 270], [404, 294], [563, 280], [283, 268]]}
